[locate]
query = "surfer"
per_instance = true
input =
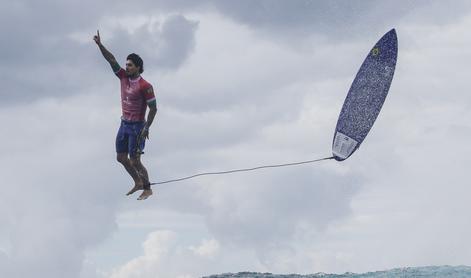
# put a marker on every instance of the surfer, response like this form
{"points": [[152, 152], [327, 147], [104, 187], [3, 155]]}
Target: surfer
{"points": [[136, 95]]}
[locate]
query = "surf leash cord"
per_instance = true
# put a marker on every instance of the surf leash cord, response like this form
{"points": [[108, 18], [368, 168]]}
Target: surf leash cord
{"points": [[242, 170]]}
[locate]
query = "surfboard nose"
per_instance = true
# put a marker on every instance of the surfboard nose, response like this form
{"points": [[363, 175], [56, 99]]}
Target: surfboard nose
{"points": [[390, 36]]}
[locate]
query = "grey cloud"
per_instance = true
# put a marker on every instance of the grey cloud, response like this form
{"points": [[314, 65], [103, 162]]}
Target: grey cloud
{"points": [[35, 30], [289, 22], [337, 20], [178, 40], [39, 59], [164, 45]]}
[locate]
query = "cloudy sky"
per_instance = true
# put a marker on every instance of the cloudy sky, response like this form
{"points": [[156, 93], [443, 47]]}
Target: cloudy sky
{"points": [[239, 84]]}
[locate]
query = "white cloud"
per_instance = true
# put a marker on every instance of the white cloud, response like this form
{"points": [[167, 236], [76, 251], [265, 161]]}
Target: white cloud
{"points": [[208, 248], [165, 256], [156, 249]]}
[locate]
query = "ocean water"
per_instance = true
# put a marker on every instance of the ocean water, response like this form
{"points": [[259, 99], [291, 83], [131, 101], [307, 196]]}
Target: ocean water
{"points": [[426, 271]]}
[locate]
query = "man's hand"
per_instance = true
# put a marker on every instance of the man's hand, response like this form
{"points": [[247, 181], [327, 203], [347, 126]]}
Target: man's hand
{"points": [[96, 38], [108, 56]]}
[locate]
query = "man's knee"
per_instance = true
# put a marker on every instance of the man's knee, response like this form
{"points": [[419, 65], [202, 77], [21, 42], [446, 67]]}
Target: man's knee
{"points": [[122, 158], [135, 162]]}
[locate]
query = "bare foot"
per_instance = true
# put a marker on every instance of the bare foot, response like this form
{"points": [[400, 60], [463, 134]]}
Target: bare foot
{"points": [[146, 194], [136, 187]]}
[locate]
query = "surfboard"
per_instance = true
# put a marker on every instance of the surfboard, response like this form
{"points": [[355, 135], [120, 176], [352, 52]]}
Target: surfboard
{"points": [[365, 97]]}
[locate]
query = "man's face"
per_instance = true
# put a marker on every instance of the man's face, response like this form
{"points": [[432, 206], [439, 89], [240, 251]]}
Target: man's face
{"points": [[131, 69]]}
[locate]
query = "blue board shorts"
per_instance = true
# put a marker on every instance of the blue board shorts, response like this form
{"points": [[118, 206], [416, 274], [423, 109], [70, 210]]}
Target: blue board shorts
{"points": [[127, 138]]}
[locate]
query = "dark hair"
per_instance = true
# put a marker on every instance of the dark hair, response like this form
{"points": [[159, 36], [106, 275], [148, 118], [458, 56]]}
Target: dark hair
{"points": [[136, 61]]}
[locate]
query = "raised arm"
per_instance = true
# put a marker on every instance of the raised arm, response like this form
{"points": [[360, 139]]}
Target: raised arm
{"points": [[108, 56]]}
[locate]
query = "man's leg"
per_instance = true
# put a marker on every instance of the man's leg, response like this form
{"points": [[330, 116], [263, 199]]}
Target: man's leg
{"points": [[122, 149], [142, 171], [126, 162]]}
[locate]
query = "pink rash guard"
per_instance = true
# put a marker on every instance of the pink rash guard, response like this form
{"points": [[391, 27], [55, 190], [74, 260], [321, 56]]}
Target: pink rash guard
{"points": [[135, 95]]}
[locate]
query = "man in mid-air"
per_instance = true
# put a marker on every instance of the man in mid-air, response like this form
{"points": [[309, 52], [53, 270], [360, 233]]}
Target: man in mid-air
{"points": [[136, 95]]}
